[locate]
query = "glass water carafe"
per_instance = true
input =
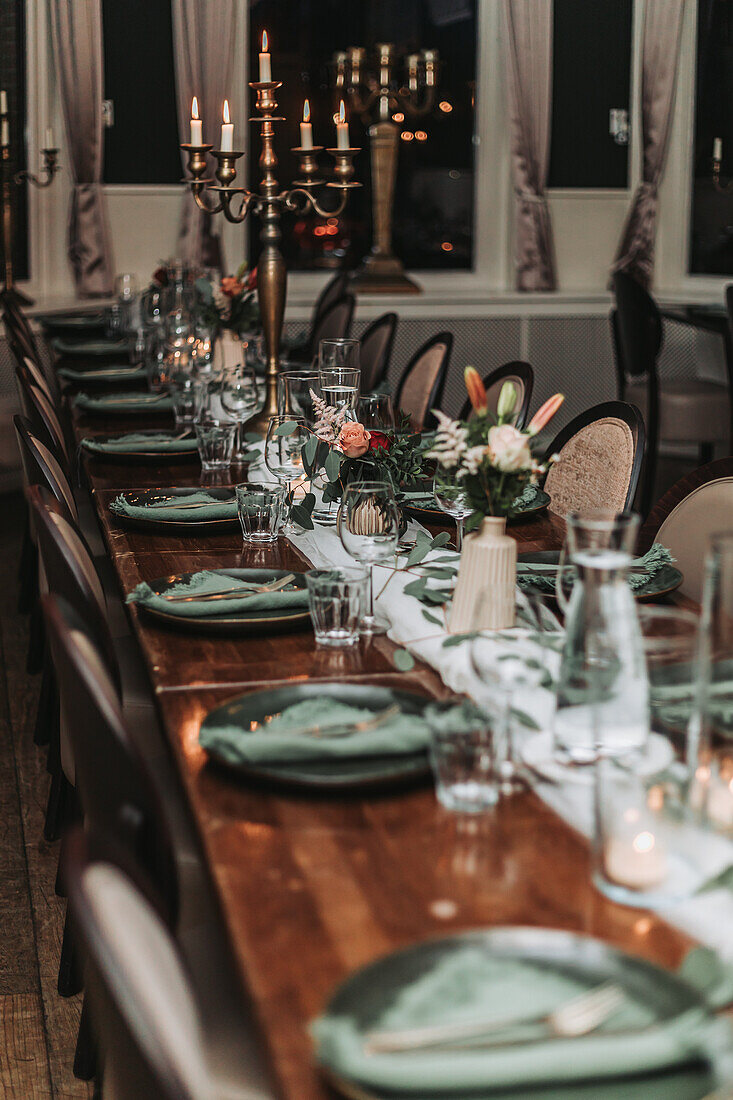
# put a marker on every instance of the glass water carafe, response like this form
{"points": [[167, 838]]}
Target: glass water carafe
{"points": [[602, 691]]}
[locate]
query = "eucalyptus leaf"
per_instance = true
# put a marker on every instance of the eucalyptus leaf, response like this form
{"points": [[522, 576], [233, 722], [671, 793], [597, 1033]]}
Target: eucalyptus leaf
{"points": [[474, 521], [419, 552], [287, 428], [403, 660], [525, 719], [252, 437], [301, 514], [310, 449], [333, 464], [431, 618], [458, 639], [416, 587], [440, 540]]}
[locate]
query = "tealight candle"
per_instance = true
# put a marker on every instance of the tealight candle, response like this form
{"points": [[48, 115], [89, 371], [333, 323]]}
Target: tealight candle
{"points": [[227, 130], [265, 61], [306, 128], [638, 862], [718, 149], [342, 129], [197, 126], [719, 805]]}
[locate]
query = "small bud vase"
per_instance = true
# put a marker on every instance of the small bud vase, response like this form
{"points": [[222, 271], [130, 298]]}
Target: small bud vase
{"points": [[488, 562]]}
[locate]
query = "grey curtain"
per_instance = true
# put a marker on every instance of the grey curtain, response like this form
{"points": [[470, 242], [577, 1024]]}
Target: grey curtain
{"points": [[660, 54], [206, 34], [529, 78], [77, 31]]}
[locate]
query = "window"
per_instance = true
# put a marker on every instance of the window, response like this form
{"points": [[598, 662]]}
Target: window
{"points": [[12, 51], [433, 209], [141, 146], [711, 222], [591, 75]]}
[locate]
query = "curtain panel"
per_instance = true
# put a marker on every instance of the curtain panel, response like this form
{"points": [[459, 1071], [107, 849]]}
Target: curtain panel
{"points": [[206, 37], [77, 33], [659, 63], [528, 29]]}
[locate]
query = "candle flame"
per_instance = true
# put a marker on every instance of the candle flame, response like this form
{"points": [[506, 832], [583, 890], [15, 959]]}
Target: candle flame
{"points": [[225, 111], [644, 842], [342, 112], [306, 111], [195, 108], [265, 42]]}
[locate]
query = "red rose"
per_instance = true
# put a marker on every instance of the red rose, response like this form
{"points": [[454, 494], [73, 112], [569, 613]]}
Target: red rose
{"points": [[379, 439], [160, 277], [252, 279], [231, 286]]}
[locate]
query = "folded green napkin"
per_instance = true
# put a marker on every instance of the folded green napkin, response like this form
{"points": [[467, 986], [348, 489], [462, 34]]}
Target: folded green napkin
{"points": [[466, 984], [121, 372], [123, 402], [673, 703], [205, 583], [73, 321], [140, 441], [170, 508], [97, 346], [541, 577], [280, 742]]}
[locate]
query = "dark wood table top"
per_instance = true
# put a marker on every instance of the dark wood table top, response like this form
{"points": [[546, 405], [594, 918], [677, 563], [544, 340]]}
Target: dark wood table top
{"points": [[313, 887]]}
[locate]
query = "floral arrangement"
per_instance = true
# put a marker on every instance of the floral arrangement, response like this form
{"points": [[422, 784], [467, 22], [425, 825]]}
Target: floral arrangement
{"points": [[230, 304], [489, 455]]}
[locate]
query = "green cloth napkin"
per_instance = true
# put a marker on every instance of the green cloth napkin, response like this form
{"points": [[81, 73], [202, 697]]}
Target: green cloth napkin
{"points": [[206, 582], [653, 561], [136, 441], [276, 743], [169, 508], [423, 498], [123, 402], [83, 346], [118, 373], [468, 983]]}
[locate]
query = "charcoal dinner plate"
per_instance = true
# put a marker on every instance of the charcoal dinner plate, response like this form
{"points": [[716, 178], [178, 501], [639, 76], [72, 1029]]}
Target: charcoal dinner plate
{"points": [[665, 580], [437, 517], [161, 525], [141, 455]]}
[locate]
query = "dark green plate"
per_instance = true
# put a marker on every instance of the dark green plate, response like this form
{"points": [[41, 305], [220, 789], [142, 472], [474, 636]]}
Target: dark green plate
{"points": [[239, 623], [665, 580], [356, 774], [161, 525], [141, 456], [366, 995], [125, 404], [75, 323], [442, 519], [91, 345], [98, 378]]}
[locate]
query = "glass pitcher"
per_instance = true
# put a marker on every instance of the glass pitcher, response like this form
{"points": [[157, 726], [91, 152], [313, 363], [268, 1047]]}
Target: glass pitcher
{"points": [[602, 690]]}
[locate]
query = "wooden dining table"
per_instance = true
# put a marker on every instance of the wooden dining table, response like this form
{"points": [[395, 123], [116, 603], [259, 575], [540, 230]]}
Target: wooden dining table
{"points": [[313, 887]]}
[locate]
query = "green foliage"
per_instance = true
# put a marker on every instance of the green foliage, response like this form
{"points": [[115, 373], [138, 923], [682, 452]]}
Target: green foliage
{"points": [[403, 660]]}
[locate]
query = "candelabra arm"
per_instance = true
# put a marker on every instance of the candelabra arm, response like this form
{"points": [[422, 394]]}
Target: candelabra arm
{"points": [[199, 195], [300, 200], [410, 105], [50, 168], [250, 202], [358, 102]]}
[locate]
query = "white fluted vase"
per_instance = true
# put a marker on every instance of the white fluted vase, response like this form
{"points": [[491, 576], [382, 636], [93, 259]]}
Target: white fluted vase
{"points": [[488, 563]]}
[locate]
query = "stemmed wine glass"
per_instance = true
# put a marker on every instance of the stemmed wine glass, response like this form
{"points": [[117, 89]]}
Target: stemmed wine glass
{"points": [[239, 397], [450, 496], [369, 527], [286, 437]]}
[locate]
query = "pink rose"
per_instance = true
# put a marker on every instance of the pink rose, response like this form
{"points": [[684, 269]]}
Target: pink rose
{"points": [[231, 286], [509, 448], [353, 440]]}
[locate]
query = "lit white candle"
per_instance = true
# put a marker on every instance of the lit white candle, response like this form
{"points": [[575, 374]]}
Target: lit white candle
{"points": [[265, 66], [227, 130], [3, 102], [306, 128], [639, 862], [342, 129], [718, 149], [4, 132], [49, 138], [720, 804], [197, 126]]}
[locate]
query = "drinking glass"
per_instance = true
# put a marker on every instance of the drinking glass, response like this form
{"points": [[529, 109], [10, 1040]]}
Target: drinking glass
{"points": [[670, 641], [154, 307], [113, 320], [239, 398], [215, 439], [337, 599], [286, 437], [369, 525], [338, 366], [260, 509], [450, 496], [184, 391], [156, 360], [464, 766], [376, 411], [339, 353], [295, 389], [602, 690], [126, 291]]}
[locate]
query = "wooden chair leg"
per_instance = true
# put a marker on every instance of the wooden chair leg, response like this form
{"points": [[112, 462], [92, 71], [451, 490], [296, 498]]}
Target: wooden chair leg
{"points": [[47, 713], [85, 1058], [34, 660], [27, 574], [57, 808], [69, 980], [707, 453]]}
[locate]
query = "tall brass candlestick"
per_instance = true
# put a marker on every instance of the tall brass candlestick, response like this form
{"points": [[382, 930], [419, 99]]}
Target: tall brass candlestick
{"points": [[268, 205]]}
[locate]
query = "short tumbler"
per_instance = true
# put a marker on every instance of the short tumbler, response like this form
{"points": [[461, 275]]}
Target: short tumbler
{"points": [[337, 600], [260, 509], [215, 439], [465, 768]]}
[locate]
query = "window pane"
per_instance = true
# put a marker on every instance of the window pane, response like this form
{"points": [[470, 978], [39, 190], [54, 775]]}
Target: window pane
{"points": [[142, 145], [433, 212], [591, 75]]}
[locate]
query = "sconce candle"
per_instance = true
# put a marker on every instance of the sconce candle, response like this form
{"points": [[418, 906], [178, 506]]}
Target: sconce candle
{"points": [[265, 61], [718, 149], [49, 138], [3, 102], [227, 130], [197, 126], [306, 128], [342, 129], [4, 132]]}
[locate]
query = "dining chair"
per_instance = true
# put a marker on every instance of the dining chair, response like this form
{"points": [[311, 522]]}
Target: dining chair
{"points": [[420, 389], [334, 323], [600, 454], [376, 351], [676, 411], [17, 325], [38, 408], [145, 1016], [687, 515], [518, 372], [42, 467]]}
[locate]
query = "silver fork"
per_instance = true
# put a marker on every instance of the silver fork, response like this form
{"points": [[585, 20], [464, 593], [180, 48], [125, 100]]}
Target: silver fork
{"points": [[233, 593], [365, 725], [576, 1017]]}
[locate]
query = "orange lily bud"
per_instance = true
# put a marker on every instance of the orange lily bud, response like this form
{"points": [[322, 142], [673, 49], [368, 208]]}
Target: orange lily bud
{"points": [[545, 414], [476, 389]]}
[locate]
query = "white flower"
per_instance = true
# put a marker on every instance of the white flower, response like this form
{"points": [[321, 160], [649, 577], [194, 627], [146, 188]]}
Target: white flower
{"points": [[509, 449], [473, 458], [450, 444]]}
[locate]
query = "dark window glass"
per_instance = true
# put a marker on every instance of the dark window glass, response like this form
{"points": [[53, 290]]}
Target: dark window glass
{"points": [[711, 223], [12, 79], [139, 79], [591, 75], [433, 210]]}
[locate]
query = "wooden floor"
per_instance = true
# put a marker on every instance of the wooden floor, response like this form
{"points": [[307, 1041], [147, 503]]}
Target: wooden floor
{"points": [[37, 1027]]}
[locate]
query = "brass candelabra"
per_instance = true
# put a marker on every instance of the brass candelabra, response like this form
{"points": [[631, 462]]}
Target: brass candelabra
{"points": [[381, 271], [7, 182], [219, 195]]}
